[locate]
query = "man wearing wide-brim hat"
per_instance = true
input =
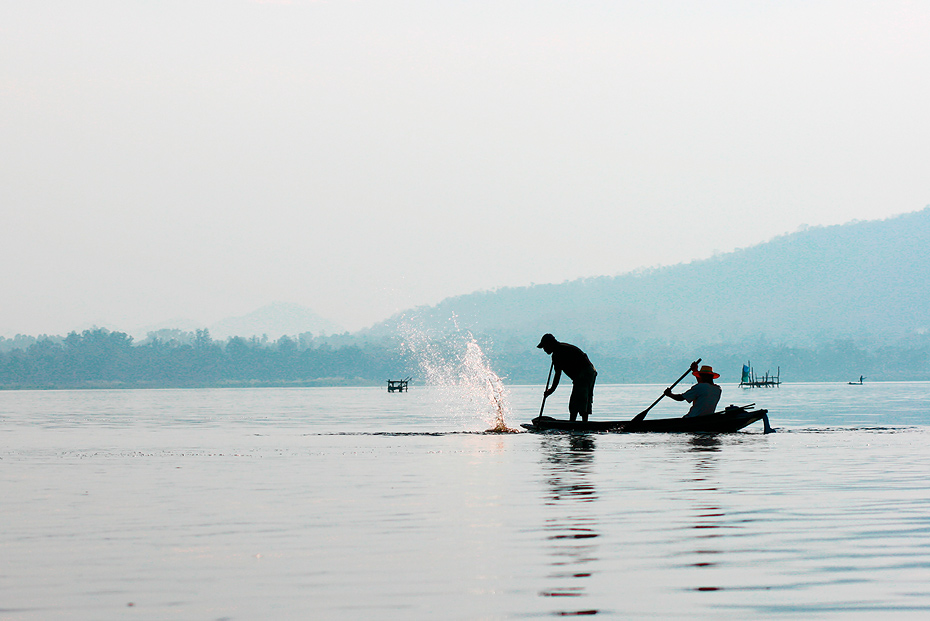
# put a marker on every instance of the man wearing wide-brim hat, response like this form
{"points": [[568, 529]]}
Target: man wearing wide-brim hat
{"points": [[703, 396], [566, 357]]}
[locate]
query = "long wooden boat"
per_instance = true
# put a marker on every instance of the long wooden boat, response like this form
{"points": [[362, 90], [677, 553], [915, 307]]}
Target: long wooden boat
{"points": [[731, 419]]}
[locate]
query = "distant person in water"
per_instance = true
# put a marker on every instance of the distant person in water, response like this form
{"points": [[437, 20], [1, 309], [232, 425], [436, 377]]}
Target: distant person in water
{"points": [[578, 368], [704, 395]]}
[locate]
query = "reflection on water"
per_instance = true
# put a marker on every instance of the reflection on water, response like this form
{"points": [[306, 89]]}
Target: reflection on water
{"points": [[704, 442], [571, 527], [709, 517]]}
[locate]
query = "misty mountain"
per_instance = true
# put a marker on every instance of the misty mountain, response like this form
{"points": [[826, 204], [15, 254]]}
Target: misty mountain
{"points": [[863, 280], [274, 321]]}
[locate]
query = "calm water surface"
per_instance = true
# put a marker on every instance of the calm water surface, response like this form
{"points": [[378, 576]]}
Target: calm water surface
{"points": [[352, 503]]}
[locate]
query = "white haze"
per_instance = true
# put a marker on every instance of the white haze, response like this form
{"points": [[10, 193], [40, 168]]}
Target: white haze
{"points": [[202, 159]]}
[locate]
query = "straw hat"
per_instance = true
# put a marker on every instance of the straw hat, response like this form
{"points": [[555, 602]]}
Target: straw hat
{"points": [[706, 370]]}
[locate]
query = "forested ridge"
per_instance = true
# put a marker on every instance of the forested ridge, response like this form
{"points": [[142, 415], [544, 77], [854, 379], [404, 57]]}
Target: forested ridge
{"points": [[862, 281]]}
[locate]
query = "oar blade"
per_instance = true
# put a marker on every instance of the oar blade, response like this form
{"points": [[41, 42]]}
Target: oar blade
{"points": [[642, 414]]}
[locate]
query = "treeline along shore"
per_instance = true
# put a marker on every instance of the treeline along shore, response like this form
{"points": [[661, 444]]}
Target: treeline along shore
{"points": [[99, 358]]}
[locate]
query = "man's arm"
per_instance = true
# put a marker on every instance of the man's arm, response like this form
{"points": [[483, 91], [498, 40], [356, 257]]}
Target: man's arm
{"points": [[555, 382], [681, 397]]}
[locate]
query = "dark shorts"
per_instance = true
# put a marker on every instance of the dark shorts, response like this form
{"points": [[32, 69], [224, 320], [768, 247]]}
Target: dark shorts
{"points": [[582, 396]]}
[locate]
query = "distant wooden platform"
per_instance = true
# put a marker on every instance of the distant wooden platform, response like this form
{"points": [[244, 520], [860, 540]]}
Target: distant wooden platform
{"points": [[398, 385], [751, 380]]}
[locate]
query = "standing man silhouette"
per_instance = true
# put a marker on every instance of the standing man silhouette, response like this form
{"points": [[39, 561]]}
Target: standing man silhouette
{"points": [[578, 368]]}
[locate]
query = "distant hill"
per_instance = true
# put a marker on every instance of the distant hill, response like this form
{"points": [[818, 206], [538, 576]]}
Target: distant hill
{"points": [[275, 320], [824, 304], [866, 281]]}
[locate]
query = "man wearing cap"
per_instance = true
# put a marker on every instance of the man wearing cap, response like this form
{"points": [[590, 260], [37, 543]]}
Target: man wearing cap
{"points": [[704, 395], [578, 368]]}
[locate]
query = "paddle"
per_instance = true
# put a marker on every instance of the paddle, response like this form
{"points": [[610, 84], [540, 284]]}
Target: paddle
{"points": [[551, 366], [642, 414]]}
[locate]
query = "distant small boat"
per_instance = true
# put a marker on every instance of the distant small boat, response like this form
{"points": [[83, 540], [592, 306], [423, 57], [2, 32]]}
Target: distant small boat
{"points": [[731, 419], [859, 383]]}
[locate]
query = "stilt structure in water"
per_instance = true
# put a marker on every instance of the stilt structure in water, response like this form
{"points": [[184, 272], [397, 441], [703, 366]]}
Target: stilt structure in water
{"points": [[398, 385], [751, 380]]}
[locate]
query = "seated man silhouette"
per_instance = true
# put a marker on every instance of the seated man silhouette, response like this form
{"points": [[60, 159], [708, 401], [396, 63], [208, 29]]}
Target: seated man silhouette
{"points": [[578, 368], [704, 395]]}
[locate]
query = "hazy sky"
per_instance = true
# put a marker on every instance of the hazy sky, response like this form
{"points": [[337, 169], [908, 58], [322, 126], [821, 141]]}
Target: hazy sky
{"points": [[200, 159]]}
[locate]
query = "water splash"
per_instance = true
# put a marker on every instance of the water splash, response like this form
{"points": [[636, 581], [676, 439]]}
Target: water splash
{"points": [[459, 368], [485, 382]]}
